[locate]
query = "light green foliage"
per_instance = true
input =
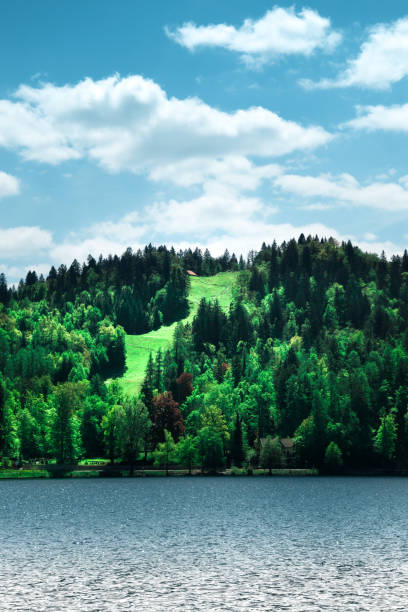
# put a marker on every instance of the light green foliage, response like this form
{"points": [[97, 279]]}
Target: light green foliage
{"points": [[333, 457], [186, 451], [165, 452], [213, 418], [385, 438]]}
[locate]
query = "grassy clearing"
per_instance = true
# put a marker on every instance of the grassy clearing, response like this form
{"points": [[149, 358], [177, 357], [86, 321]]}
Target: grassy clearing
{"points": [[139, 347]]}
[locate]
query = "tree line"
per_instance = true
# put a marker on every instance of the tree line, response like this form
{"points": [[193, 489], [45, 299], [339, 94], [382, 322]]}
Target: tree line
{"points": [[314, 349]]}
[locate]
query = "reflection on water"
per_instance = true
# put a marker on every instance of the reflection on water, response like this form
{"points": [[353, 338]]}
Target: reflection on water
{"points": [[204, 544]]}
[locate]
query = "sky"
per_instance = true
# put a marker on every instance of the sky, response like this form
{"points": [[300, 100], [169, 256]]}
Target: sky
{"points": [[204, 123]]}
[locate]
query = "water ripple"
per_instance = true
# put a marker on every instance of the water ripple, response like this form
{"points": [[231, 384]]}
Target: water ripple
{"points": [[204, 544]]}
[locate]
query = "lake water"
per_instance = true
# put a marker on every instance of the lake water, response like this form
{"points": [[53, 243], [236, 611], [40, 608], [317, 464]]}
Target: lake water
{"points": [[204, 544]]}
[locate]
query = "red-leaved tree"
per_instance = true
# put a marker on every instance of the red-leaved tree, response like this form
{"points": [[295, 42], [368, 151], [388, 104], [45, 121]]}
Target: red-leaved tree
{"points": [[166, 415], [184, 386]]}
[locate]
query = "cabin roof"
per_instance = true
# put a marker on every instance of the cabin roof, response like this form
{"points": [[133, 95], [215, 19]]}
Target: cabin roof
{"points": [[287, 442]]}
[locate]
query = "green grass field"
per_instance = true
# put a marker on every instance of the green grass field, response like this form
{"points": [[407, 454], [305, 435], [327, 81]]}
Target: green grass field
{"points": [[139, 347]]}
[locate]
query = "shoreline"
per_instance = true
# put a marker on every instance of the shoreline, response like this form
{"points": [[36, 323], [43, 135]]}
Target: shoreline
{"points": [[55, 472], [61, 473]]}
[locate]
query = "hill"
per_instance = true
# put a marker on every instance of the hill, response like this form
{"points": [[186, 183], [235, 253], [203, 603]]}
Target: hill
{"points": [[139, 346]]}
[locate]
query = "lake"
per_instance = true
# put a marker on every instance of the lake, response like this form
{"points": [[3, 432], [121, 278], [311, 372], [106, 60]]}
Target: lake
{"points": [[280, 543]]}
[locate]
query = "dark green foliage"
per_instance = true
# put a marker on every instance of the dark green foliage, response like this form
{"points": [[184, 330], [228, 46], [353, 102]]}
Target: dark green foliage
{"points": [[236, 443], [210, 449], [333, 458]]}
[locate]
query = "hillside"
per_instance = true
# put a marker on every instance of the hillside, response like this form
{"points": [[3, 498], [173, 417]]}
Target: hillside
{"points": [[313, 350], [139, 346]]}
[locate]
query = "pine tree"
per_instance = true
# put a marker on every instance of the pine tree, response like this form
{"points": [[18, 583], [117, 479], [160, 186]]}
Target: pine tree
{"points": [[148, 385]]}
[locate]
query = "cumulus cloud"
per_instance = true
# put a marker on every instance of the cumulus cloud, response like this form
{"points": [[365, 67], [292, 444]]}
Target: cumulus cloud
{"points": [[131, 124], [16, 272], [9, 185], [345, 189], [281, 31], [23, 241], [79, 246], [233, 170], [28, 129], [388, 118], [383, 60], [369, 236]]}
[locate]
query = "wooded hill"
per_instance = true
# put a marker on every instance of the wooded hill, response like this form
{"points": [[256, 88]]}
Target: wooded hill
{"points": [[314, 348]]}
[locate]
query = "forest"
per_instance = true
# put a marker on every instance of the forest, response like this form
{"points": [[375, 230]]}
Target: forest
{"points": [[308, 368]]}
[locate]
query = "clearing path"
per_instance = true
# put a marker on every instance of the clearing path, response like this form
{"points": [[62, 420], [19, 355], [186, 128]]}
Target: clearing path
{"points": [[139, 347]]}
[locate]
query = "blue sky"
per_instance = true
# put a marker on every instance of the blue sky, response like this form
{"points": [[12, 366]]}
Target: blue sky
{"points": [[199, 122]]}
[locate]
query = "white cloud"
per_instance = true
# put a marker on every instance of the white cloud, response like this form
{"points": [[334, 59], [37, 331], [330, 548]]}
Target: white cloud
{"points": [[23, 241], [345, 189], [29, 130], [79, 247], [369, 236], [130, 124], [388, 118], [280, 31], [9, 185], [389, 248], [234, 170], [383, 60], [15, 273], [316, 206]]}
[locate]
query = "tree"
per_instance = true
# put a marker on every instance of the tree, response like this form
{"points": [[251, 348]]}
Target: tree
{"points": [[8, 434], [132, 427], [213, 417], [165, 452], [385, 438], [187, 451], [148, 385], [271, 454], [166, 415], [29, 434], [65, 437], [109, 426], [184, 386], [333, 458], [158, 372], [93, 411], [210, 449], [236, 443]]}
